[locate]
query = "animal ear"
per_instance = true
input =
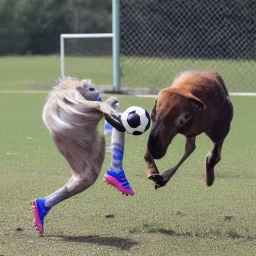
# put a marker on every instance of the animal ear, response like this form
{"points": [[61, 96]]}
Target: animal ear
{"points": [[199, 105]]}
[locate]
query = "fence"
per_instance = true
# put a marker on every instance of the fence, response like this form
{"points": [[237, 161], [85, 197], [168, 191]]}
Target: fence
{"points": [[159, 38]]}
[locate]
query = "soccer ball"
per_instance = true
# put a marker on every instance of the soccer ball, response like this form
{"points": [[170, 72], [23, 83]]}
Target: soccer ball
{"points": [[136, 120]]}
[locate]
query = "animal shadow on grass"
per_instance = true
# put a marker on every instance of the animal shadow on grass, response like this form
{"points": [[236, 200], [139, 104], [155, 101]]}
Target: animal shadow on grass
{"points": [[118, 242]]}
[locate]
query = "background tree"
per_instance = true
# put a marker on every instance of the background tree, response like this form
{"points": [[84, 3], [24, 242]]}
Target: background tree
{"points": [[199, 29]]}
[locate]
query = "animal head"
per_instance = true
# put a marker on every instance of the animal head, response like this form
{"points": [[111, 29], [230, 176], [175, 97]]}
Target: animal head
{"points": [[172, 110], [85, 87]]}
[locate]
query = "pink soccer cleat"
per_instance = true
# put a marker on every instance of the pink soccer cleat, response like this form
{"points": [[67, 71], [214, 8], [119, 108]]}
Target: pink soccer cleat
{"points": [[119, 181], [40, 211]]}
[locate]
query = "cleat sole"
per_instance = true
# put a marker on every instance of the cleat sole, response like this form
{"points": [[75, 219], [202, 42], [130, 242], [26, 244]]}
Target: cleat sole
{"points": [[112, 181], [36, 216]]}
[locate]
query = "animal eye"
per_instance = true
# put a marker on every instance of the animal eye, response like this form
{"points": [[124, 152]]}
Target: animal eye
{"points": [[91, 89], [186, 116]]}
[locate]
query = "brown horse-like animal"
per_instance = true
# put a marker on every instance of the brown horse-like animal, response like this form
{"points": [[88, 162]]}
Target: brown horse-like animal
{"points": [[196, 102]]}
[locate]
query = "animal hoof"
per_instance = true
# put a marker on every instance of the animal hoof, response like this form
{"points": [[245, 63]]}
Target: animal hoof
{"points": [[158, 179], [160, 184], [155, 177]]}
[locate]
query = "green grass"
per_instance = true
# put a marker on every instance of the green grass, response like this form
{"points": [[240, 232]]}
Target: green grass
{"points": [[157, 73], [184, 218], [40, 72]]}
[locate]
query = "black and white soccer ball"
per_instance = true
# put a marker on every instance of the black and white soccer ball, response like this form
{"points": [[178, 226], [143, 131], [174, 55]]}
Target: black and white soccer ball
{"points": [[136, 120]]}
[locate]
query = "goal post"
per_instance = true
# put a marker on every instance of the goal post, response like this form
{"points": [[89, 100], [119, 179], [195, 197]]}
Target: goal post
{"points": [[115, 53], [73, 36], [152, 41], [115, 36]]}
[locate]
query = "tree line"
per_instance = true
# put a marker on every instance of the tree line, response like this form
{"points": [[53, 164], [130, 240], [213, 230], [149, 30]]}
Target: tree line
{"points": [[189, 28], [34, 26], [163, 28]]}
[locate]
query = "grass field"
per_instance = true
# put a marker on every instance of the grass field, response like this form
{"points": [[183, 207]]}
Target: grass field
{"points": [[40, 72], [158, 73], [184, 218]]}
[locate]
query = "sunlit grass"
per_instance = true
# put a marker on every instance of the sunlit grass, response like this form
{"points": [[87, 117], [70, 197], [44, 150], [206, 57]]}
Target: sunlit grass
{"points": [[184, 218], [40, 72]]}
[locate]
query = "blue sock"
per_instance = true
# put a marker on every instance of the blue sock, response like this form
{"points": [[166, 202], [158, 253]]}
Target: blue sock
{"points": [[117, 157]]}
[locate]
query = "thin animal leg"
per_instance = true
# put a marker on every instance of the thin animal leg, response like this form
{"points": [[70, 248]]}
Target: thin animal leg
{"points": [[106, 107], [112, 118], [85, 172], [116, 175], [117, 147], [75, 185], [162, 179], [217, 134], [152, 168], [212, 158]]}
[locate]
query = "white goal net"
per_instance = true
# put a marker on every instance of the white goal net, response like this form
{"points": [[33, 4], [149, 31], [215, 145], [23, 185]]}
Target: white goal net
{"points": [[88, 56]]}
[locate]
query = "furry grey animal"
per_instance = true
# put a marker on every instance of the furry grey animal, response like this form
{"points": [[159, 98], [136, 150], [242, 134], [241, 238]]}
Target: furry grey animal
{"points": [[72, 115]]}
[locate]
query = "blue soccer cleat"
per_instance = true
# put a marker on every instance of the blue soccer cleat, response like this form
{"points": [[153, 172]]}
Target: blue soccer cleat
{"points": [[40, 211], [119, 181]]}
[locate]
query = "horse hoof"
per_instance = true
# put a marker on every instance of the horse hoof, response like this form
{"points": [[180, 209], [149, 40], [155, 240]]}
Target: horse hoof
{"points": [[158, 179], [160, 184], [155, 177]]}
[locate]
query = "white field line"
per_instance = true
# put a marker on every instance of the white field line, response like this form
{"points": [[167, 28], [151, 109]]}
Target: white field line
{"points": [[250, 94], [243, 94]]}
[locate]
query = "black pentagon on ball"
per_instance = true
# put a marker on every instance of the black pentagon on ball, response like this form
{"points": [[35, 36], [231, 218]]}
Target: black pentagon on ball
{"points": [[137, 133], [133, 119]]}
